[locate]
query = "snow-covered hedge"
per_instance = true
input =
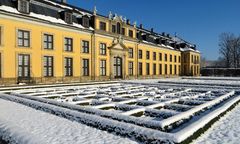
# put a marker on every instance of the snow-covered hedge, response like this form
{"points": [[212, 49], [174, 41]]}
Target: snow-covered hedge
{"points": [[120, 128], [138, 128], [12, 134]]}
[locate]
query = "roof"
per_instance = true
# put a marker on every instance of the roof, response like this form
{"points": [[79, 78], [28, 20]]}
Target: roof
{"points": [[49, 10]]}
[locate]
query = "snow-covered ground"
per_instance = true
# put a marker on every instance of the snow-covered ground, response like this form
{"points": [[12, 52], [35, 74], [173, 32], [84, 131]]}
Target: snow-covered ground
{"points": [[143, 110], [225, 131], [50, 129]]}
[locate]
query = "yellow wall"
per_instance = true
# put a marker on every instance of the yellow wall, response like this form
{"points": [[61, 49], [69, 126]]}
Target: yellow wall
{"points": [[10, 50]]}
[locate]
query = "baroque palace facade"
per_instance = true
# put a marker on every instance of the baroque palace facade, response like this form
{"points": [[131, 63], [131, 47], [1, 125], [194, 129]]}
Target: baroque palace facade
{"points": [[46, 41]]}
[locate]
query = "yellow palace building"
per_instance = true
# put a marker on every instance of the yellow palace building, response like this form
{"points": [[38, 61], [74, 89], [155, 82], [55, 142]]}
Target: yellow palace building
{"points": [[49, 41]]}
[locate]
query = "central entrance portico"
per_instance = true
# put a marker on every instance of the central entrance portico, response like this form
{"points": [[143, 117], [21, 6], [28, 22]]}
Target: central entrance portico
{"points": [[118, 52]]}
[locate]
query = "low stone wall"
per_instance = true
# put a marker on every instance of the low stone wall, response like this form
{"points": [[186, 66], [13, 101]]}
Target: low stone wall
{"points": [[54, 80]]}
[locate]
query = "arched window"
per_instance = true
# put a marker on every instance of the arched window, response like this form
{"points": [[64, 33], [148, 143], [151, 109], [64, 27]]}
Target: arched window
{"points": [[118, 28]]}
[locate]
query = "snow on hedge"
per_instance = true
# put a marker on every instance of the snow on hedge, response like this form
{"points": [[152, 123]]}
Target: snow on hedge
{"points": [[35, 125], [136, 132], [13, 134], [187, 114], [120, 127], [190, 129]]}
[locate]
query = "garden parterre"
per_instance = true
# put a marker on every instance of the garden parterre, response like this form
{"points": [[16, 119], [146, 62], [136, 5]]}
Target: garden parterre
{"points": [[163, 110]]}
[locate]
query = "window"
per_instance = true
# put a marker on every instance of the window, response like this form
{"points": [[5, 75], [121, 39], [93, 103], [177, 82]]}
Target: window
{"points": [[154, 69], [85, 46], [48, 66], [113, 28], [68, 65], [140, 68], [179, 70], [154, 56], [166, 69], [166, 58], [1, 35], [175, 58], [118, 28], [130, 52], [123, 31], [85, 21], [147, 55], [175, 69], [160, 69], [23, 65], [85, 67], [179, 59], [68, 42], [0, 65], [130, 33], [170, 69], [23, 38], [68, 17], [192, 58], [48, 41], [103, 26], [23, 6], [103, 68], [147, 68], [140, 54], [130, 68], [103, 49], [170, 58], [160, 56]]}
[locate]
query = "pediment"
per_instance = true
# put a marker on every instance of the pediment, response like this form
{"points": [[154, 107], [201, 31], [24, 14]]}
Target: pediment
{"points": [[119, 46]]}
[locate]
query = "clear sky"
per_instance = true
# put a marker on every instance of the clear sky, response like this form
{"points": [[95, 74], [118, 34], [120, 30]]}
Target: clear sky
{"points": [[198, 21]]}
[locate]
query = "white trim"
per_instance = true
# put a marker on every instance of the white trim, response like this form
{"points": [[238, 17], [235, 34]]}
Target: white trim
{"points": [[104, 36]]}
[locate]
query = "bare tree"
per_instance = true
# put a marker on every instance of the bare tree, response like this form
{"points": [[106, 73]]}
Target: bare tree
{"points": [[230, 49]]}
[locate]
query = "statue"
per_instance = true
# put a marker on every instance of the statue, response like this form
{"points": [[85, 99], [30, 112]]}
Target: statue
{"points": [[110, 15], [95, 10]]}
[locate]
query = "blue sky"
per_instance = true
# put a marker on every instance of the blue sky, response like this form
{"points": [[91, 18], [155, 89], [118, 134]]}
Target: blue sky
{"points": [[198, 21]]}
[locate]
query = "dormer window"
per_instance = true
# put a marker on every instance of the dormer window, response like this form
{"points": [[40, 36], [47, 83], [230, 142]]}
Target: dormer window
{"points": [[102, 26], [85, 21], [123, 31], [113, 28], [23, 6], [68, 17], [130, 33]]}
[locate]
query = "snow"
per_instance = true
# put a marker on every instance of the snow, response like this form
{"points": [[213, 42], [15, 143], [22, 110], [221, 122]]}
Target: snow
{"points": [[189, 130], [226, 130], [9, 9], [43, 17], [56, 4], [187, 114], [188, 49], [27, 125], [142, 110]]}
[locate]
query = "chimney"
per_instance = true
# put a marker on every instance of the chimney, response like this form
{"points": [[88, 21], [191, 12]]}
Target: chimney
{"points": [[163, 34], [141, 26]]}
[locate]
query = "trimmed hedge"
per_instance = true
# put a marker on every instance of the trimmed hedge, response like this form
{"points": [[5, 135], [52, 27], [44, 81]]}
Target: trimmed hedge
{"points": [[220, 72]]}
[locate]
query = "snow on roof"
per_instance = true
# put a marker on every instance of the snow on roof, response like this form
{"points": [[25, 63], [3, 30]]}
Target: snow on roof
{"points": [[43, 17], [188, 49], [57, 4], [9, 9], [83, 13]]}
